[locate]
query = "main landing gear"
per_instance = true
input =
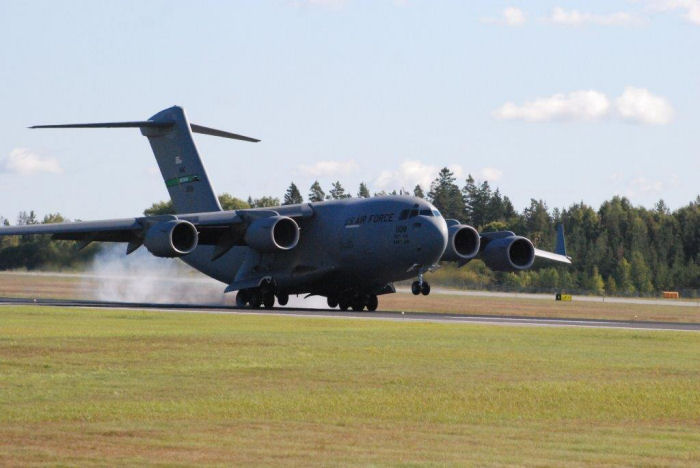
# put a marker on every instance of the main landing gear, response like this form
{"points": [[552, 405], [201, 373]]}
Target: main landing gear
{"points": [[420, 286], [262, 296], [357, 302]]}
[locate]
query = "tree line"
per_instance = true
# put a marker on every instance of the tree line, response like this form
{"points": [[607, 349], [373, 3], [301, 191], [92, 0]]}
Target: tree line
{"points": [[618, 249]]}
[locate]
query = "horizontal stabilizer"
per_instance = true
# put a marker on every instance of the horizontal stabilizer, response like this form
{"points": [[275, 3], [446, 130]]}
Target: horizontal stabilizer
{"points": [[220, 133], [153, 124], [137, 124]]}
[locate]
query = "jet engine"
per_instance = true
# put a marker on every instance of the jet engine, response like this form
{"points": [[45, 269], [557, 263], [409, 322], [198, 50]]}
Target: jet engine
{"points": [[272, 234], [462, 243], [510, 253], [171, 238]]}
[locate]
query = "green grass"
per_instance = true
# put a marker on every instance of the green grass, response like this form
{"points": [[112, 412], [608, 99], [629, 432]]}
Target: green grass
{"points": [[131, 387]]}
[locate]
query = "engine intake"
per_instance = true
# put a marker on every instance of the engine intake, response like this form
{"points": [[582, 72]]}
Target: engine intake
{"points": [[462, 243], [272, 234], [171, 238], [510, 253]]}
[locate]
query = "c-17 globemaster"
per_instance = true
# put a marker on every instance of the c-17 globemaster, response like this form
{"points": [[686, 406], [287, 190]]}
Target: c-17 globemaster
{"points": [[349, 251]]}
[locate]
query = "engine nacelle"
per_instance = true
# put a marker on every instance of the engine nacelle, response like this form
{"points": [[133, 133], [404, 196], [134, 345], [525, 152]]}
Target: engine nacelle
{"points": [[272, 234], [171, 238], [510, 253], [462, 243]]}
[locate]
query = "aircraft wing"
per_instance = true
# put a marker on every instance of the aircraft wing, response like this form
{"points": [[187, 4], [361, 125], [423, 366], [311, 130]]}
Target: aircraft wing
{"points": [[221, 228], [552, 256], [115, 230]]}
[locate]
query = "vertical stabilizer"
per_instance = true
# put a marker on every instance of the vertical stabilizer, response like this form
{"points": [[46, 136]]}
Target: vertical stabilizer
{"points": [[179, 162], [560, 247]]}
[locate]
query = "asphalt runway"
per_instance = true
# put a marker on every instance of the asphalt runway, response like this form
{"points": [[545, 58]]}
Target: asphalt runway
{"points": [[502, 320]]}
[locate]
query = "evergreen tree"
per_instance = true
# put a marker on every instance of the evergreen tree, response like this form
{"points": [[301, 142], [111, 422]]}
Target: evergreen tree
{"points": [[418, 192], [292, 196], [337, 191], [316, 193], [446, 196], [25, 218], [363, 192]]}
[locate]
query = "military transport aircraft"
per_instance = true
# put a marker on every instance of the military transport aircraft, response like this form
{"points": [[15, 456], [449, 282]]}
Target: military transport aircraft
{"points": [[349, 251]]}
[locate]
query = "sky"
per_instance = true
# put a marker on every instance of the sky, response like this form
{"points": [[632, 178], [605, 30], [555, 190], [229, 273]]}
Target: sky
{"points": [[565, 101]]}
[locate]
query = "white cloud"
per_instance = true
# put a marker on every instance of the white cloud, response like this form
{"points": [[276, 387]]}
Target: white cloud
{"points": [[578, 18], [513, 16], [690, 8], [635, 105], [510, 16], [329, 168], [491, 174], [24, 161], [644, 186], [412, 173], [640, 106], [577, 105]]}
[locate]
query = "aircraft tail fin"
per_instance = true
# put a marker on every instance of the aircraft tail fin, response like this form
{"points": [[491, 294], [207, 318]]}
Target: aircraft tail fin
{"points": [[170, 135], [560, 247]]}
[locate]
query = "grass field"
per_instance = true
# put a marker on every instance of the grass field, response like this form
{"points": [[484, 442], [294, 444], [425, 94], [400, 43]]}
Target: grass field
{"points": [[107, 387]]}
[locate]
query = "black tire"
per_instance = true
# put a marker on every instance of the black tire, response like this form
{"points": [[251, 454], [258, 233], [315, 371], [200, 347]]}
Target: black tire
{"points": [[241, 298], [342, 305], [255, 299], [282, 299], [268, 300], [332, 302], [425, 290], [372, 303], [415, 288], [358, 306]]}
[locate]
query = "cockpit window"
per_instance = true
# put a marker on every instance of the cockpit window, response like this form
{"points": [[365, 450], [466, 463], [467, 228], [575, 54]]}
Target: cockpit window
{"points": [[405, 214]]}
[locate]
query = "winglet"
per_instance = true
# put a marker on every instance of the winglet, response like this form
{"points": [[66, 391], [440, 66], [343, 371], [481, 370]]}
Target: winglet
{"points": [[560, 247]]}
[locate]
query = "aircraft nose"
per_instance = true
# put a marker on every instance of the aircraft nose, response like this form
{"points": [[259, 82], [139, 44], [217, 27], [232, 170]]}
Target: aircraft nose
{"points": [[433, 240]]}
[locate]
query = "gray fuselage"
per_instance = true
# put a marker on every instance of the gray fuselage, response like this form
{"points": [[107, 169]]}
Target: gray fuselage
{"points": [[359, 244]]}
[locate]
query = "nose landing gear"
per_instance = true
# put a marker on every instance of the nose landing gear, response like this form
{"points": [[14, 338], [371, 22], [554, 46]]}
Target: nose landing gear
{"points": [[420, 286]]}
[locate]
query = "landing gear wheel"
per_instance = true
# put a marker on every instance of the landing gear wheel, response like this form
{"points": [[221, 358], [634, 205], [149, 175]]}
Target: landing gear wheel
{"points": [[241, 298], [425, 289], [332, 302], [282, 299], [255, 299], [372, 303], [358, 305], [343, 305], [415, 288], [268, 299]]}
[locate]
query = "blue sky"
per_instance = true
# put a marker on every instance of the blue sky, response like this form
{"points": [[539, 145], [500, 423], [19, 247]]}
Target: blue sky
{"points": [[566, 101]]}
